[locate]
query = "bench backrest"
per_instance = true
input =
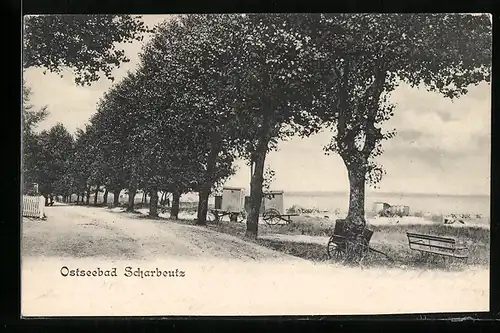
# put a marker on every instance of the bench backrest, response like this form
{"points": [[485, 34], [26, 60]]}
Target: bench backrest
{"points": [[431, 238]]}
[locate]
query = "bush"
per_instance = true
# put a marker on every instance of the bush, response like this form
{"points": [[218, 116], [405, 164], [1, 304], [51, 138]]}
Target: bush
{"points": [[295, 209]]}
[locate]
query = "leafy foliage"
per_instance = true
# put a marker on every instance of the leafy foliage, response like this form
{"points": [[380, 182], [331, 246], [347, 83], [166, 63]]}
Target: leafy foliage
{"points": [[363, 57], [30, 147], [54, 152], [85, 43]]}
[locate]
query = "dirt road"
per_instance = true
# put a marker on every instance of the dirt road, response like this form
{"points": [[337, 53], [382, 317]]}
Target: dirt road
{"points": [[79, 232], [195, 271]]}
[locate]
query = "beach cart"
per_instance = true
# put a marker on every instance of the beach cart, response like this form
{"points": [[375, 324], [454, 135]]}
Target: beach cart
{"points": [[231, 204], [273, 208], [341, 247]]}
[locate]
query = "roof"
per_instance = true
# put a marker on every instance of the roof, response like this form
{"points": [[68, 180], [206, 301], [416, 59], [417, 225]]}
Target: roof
{"points": [[274, 192], [233, 188]]}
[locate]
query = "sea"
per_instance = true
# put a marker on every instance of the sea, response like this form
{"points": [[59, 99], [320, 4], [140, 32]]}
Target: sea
{"points": [[423, 203]]}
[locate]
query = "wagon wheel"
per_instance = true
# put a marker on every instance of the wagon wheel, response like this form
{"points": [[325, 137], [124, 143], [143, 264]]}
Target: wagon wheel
{"points": [[213, 217], [271, 216], [335, 250], [242, 216]]}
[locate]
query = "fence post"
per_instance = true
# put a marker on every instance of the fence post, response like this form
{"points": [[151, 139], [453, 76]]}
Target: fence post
{"points": [[41, 206]]}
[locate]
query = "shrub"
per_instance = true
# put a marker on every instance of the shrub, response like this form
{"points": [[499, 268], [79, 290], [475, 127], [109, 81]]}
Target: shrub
{"points": [[295, 209]]}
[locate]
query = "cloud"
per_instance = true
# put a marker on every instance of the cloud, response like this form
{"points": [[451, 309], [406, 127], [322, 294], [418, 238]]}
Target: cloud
{"points": [[420, 121]]}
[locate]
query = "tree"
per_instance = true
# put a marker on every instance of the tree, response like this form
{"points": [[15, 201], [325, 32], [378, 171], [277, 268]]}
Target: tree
{"points": [[85, 43], [56, 149], [30, 119], [193, 55], [361, 58], [274, 91]]}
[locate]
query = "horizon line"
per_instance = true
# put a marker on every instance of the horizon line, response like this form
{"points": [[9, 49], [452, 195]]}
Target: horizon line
{"points": [[392, 193], [384, 192]]}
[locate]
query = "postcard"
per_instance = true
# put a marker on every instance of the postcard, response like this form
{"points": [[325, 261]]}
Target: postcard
{"points": [[255, 164]]}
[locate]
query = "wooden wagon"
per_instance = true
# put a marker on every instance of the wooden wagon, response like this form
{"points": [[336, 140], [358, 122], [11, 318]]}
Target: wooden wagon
{"points": [[231, 204], [343, 248], [272, 204]]}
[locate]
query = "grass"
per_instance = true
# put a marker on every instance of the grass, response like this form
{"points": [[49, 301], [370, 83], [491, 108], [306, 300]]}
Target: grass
{"points": [[389, 239]]}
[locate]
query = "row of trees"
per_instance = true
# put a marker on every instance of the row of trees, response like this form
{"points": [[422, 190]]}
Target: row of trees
{"points": [[213, 88]]}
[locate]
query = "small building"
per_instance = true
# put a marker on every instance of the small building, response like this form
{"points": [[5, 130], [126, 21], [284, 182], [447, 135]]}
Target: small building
{"points": [[270, 199], [233, 199], [400, 210], [380, 207], [273, 199]]}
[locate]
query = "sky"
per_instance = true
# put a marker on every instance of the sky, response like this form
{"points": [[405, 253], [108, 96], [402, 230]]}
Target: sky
{"points": [[441, 146]]}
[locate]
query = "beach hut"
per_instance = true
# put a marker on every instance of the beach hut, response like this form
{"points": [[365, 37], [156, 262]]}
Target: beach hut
{"points": [[379, 207], [247, 205], [273, 199], [400, 210], [233, 199]]}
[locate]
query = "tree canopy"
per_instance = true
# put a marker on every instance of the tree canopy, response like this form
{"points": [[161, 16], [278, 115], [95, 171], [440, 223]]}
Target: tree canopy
{"points": [[85, 43]]}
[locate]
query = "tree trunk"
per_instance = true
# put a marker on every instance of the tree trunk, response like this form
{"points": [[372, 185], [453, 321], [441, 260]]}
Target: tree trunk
{"points": [[356, 215], [146, 197], [96, 194], [204, 192], [105, 197], [77, 199], [203, 204], [131, 198], [87, 198], [256, 192], [143, 197], [174, 210], [153, 203], [46, 200], [116, 197]]}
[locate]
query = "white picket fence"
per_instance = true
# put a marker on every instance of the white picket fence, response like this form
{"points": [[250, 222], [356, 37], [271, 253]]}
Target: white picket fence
{"points": [[33, 206]]}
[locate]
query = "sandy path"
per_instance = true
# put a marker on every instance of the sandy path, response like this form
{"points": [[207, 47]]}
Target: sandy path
{"points": [[97, 232], [223, 275]]}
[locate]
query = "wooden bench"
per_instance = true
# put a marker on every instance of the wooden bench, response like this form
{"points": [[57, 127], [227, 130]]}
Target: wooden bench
{"points": [[444, 246]]}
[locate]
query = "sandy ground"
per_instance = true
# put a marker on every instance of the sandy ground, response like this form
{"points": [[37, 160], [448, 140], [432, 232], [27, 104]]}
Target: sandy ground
{"points": [[222, 275]]}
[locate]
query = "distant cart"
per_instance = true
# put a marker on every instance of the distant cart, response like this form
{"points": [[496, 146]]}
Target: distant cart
{"points": [[231, 204], [273, 208]]}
